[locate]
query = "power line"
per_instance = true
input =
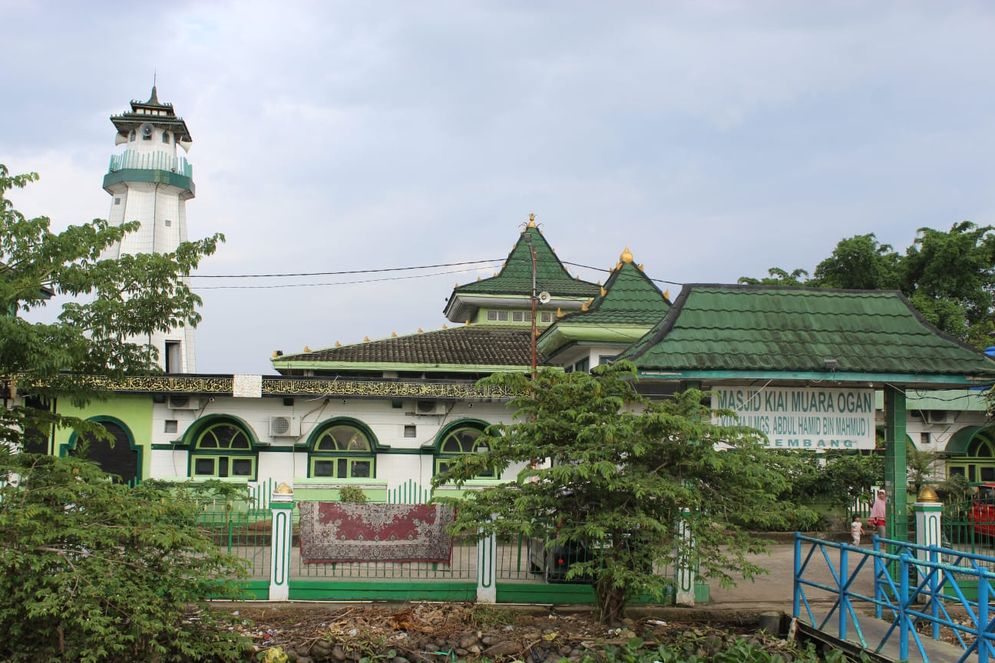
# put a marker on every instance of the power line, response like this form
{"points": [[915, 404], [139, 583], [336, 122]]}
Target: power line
{"points": [[609, 271], [316, 285], [343, 272]]}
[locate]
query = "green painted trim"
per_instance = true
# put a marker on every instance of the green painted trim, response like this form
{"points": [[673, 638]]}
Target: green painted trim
{"points": [[281, 505], [269, 449], [929, 507], [389, 366], [194, 430], [817, 376], [350, 458], [319, 430], [557, 594], [382, 591], [561, 334], [467, 422], [200, 454], [171, 447], [401, 452], [250, 590], [166, 177]]}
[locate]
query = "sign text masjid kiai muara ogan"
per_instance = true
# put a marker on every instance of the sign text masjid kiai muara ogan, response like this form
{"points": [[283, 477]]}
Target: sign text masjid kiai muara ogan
{"points": [[802, 417]]}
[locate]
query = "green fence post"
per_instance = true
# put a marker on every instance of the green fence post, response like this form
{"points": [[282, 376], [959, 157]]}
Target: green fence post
{"points": [[281, 540], [895, 468]]}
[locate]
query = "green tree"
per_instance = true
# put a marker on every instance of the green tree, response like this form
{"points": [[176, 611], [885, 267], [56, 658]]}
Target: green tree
{"points": [[620, 471], [96, 571], [950, 277], [778, 276], [861, 263], [112, 302]]}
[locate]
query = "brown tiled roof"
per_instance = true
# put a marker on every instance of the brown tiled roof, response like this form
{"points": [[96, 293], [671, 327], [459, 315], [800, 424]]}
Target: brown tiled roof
{"points": [[484, 345]]}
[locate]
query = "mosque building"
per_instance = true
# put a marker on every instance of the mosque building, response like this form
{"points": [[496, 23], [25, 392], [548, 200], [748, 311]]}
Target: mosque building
{"points": [[387, 415]]}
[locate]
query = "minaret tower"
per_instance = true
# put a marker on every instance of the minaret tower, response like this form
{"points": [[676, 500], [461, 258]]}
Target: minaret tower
{"points": [[150, 183]]}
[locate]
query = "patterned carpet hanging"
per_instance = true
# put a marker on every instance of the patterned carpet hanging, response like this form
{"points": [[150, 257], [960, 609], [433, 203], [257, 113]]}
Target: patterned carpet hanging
{"points": [[364, 532]]}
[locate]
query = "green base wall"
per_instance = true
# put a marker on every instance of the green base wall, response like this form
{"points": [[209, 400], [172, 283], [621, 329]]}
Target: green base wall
{"points": [[556, 594]]}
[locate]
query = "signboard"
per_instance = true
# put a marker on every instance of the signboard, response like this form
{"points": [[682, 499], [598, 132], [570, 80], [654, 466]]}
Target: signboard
{"points": [[801, 417]]}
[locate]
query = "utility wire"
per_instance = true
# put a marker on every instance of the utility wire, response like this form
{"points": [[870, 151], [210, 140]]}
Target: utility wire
{"points": [[609, 271], [348, 271], [316, 285]]}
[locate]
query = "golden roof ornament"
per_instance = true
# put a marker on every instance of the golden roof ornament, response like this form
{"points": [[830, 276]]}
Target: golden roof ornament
{"points": [[559, 312], [421, 331], [284, 489], [532, 220], [338, 344], [393, 334], [366, 339], [641, 267], [927, 494], [626, 255], [276, 353], [445, 326], [666, 294], [603, 291]]}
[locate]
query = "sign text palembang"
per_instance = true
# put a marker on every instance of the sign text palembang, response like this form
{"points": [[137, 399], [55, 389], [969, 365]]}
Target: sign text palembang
{"points": [[802, 417]]}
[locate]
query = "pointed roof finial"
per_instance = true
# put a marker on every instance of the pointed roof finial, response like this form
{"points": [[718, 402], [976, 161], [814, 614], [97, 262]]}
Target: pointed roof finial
{"points": [[603, 291], [307, 348], [154, 98], [338, 344], [532, 220], [666, 295], [626, 255]]}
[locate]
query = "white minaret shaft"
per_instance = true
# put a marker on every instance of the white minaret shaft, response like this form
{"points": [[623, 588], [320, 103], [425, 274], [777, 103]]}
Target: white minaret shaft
{"points": [[150, 183]]}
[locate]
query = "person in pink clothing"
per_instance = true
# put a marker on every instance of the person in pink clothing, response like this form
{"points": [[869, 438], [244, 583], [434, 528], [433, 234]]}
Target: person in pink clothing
{"points": [[878, 510]]}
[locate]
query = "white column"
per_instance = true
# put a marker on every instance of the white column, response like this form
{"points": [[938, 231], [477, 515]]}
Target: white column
{"points": [[487, 569], [684, 572], [929, 529], [281, 509]]}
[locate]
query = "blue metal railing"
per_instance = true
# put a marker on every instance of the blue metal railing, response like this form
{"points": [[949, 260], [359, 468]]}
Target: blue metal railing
{"points": [[913, 586]]}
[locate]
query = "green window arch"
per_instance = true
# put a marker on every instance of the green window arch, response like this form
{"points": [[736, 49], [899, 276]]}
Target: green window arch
{"points": [[458, 439], [977, 443], [223, 448], [342, 449]]}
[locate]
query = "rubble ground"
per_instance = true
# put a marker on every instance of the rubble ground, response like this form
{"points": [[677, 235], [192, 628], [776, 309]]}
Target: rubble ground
{"points": [[424, 632]]}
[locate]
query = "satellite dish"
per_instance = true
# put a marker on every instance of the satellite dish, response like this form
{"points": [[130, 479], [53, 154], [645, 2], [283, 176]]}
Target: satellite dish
{"points": [[544, 297], [146, 129]]}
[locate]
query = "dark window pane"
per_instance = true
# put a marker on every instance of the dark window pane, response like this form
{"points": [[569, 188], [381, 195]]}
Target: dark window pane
{"points": [[323, 468], [343, 468], [956, 471], [204, 467], [239, 441], [208, 441], [443, 467], [452, 446], [988, 473], [241, 467], [971, 476], [223, 466], [361, 468]]}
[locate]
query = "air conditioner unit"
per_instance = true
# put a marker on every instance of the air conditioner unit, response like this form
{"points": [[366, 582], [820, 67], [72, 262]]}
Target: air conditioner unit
{"points": [[283, 426], [183, 402], [430, 408], [936, 416]]}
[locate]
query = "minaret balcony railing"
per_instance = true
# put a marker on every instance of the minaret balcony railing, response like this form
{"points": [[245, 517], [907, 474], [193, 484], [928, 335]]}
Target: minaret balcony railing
{"points": [[129, 160]]}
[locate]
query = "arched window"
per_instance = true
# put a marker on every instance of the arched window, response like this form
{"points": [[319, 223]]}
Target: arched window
{"points": [[459, 439], [119, 456], [978, 463], [343, 450], [223, 449], [165, 137]]}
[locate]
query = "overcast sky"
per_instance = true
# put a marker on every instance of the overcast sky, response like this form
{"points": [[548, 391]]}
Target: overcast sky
{"points": [[717, 139]]}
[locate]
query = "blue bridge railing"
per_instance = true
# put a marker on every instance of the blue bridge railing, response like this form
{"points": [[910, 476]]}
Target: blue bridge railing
{"points": [[917, 593]]}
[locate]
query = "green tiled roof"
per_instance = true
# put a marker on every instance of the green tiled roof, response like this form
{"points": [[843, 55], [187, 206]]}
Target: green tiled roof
{"points": [[776, 329], [515, 277], [630, 298], [485, 345]]}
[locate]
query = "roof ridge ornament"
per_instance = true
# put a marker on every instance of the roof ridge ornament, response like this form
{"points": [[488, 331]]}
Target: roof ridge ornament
{"points": [[626, 255], [532, 220]]}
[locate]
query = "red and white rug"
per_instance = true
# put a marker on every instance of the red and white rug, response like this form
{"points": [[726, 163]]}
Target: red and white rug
{"points": [[365, 532]]}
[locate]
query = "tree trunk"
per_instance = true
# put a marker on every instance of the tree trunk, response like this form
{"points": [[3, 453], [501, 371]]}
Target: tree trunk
{"points": [[611, 603]]}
